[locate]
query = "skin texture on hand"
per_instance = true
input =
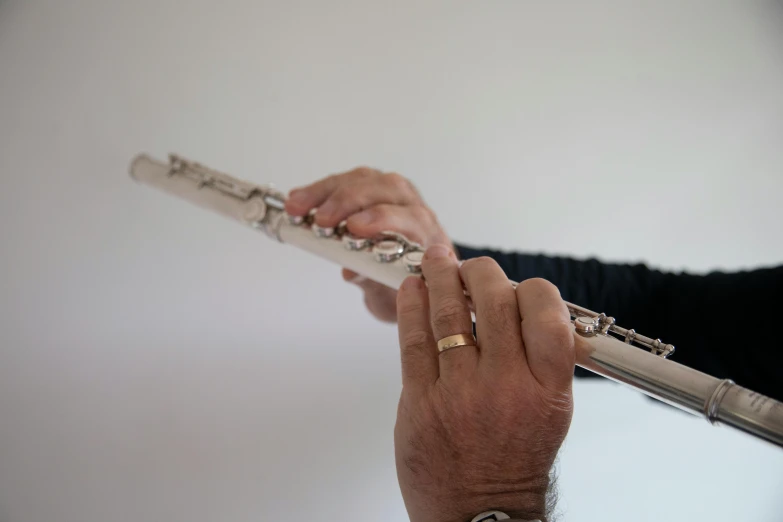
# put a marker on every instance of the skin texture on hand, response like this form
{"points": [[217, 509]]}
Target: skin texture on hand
{"points": [[478, 428], [370, 202]]}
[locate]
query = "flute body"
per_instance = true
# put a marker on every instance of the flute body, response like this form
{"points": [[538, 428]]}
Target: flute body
{"points": [[601, 346]]}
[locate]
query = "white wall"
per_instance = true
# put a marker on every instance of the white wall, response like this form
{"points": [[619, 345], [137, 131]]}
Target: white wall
{"points": [[160, 363]]}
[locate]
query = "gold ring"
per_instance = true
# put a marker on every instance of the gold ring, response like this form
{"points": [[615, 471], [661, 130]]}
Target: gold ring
{"points": [[453, 341]]}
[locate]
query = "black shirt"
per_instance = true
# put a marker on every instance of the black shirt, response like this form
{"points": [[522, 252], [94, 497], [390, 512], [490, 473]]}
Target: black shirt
{"points": [[728, 325]]}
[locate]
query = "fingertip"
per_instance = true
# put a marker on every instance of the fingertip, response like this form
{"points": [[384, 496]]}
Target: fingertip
{"points": [[541, 299], [349, 275], [439, 251], [412, 283], [296, 203], [439, 261], [411, 295], [353, 277], [298, 195]]}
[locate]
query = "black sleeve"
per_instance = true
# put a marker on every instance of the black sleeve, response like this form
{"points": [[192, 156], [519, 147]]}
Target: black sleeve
{"points": [[723, 324]]}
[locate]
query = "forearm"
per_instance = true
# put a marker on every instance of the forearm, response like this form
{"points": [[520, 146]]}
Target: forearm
{"points": [[694, 312], [596, 285]]}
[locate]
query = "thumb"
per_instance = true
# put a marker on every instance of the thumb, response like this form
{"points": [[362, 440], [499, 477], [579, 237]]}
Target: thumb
{"points": [[367, 284], [380, 300], [355, 278]]}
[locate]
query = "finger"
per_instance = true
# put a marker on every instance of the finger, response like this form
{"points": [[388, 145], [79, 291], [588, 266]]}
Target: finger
{"points": [[354, 277], [361, 193], [418, 351], [302, 199], [365, 283], [497, 315], [546, 333], [449, 311], [411, 221], [379, 299]]}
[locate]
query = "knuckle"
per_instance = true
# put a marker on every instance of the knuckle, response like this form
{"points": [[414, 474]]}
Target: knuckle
{"points": [[449, 315], [396, 180], [484, 262], [416, 340], [401, 185], [537, 285], [557, 333], [351, 195], [423, 214], [335, 181], [500, 310], [345, 193], [364, 171], [478, 264], [333, 178]]}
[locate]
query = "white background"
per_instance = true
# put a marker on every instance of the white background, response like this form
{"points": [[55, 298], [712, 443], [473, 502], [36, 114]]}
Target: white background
{"points": [[160, 363]]}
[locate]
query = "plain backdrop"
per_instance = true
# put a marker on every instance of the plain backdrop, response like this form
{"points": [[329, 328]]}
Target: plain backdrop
{"points": [[158, 362]]}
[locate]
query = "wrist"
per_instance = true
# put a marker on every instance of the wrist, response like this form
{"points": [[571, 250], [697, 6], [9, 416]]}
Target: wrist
{"points": [[525, 506], [495, 516], [528, 508]]}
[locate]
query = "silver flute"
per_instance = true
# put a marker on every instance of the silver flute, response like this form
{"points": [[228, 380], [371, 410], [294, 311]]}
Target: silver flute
{"points": [[602, 346]]}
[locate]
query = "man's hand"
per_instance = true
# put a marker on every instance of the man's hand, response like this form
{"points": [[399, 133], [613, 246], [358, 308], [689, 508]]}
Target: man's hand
{"points": [[371, 202], [479, 427]]}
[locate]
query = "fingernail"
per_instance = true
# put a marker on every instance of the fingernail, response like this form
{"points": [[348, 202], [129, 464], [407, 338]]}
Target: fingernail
{"points": [[362, 218], [438, 251]]}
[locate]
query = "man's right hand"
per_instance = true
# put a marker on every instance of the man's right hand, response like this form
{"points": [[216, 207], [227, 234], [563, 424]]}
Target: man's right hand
{"points": [[479, 425], [370, 202]]}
